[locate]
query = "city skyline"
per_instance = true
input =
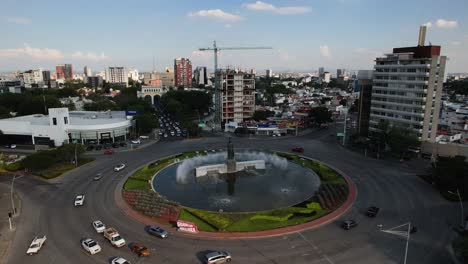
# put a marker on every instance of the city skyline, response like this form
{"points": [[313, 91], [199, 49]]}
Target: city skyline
{"points": [[305, 34]]}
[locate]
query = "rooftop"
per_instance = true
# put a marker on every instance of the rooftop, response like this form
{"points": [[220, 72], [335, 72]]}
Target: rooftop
{"points": [[78, 118]]}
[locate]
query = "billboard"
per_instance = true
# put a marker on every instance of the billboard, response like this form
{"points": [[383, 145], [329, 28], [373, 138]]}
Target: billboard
{"points": [[131, 112]]}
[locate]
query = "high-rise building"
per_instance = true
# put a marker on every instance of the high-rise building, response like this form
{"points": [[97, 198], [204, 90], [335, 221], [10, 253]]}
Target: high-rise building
{"points": [[64, 72], [364, 87], [46, 76], [238, 95], [321, 71], [269, 73], [407, 89], [326, 77], [340, 73], [183, 72], [117, 75], [201, 77], [94, 81], [87, 71], [133, 74], [31, 78]]}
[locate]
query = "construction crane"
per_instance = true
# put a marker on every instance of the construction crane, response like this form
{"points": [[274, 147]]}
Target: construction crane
{"points": [[216, 49]]}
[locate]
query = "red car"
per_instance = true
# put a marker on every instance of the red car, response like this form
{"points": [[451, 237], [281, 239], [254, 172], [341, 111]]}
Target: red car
{"points": [[298, 149], [108, 152]]}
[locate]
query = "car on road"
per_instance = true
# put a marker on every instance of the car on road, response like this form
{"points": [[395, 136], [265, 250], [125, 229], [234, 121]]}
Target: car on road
{"points": [[36, 245], [217, 257], [98, 147], [348, 224], [90, 246], [140, 250], [115, 145], [298, 149], [156, 231], [372, 211], [119, 260], [99, 226], [123, 144], [97, 177], [136, 141], [89, 148], [10, 146], [119, 167], [79, 200], [108, 152]]}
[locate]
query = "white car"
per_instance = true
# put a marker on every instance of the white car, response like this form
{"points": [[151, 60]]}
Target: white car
{"points": [[119, 167], [137, 141], [36, 245], [99, 226], [91, 246], [119, 260], [79, 200]]}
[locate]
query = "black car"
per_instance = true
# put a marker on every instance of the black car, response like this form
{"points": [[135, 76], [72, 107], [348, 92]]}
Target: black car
{"points": [[123, 144], [348, 224], [115, 145], [107, 146], [372, 211], [90, 147], [98, 147]]}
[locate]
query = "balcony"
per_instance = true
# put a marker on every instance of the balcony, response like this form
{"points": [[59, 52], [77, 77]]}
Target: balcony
{"points": [[392, 66], [393, 111], [375, 118], [415, 74], [402, 97]]}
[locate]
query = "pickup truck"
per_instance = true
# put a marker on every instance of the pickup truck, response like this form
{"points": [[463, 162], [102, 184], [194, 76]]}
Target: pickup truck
{"points": [[36, 245], [114, 238]]}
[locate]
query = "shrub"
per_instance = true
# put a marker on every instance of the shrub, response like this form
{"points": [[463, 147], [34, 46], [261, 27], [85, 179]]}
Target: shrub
{"points": [[14, 166], [314, 206], [271, 217]]}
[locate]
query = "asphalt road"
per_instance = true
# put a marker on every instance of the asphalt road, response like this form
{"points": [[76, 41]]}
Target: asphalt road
{"points": [[48, 209]]}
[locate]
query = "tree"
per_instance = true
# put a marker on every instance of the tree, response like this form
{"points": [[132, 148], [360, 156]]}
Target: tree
{"points": [[400, 139], [66, 152], [320, 115], [262, 115], [66, 92], [451, 173], [146, 123], [4, 112]]}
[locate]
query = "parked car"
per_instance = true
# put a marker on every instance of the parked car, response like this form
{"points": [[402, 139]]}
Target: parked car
{"points": [[98, 177], [298, 149], [98, 147], [10, 146], [115, 145], [372, 211], [99, 226], [136, 141], [79, 200], [119, 260], [107, 146], [108, 152], [90, 246], [123, 144], [348, 224], [217, 257], [89, 148], [36, 245], [119, 167], [156, 231], [140, 250]]}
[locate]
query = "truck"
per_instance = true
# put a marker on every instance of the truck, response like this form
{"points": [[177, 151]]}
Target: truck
{"points": [[114, 237]]}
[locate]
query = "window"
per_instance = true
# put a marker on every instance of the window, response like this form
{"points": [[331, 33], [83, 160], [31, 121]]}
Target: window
{"points": [[54, 121], [65, 120]]}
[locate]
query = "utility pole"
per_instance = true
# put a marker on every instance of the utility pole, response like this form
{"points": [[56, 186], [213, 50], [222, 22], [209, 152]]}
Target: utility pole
{"points": [[11, 193], [461, 207], [345, 110], [404, 234]]}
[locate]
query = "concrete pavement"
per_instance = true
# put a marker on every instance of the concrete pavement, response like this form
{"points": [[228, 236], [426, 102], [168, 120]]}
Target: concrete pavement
{"points": [[7, 234]]}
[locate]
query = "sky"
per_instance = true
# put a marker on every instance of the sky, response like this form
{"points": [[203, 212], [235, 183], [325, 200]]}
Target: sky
{"points": [[303, 34]]}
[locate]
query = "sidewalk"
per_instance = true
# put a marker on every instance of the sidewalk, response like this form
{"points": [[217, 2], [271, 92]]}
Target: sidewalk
{"points": [[7, 235]]}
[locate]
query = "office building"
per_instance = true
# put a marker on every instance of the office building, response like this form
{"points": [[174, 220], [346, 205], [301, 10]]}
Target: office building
{"points": [[340, 73], [183, 73], [326, 77], [201, 77], [64, 72], [407, 88], [94, 81], [32, 78], [133, 74], [117, 75], [238, 96], [364, 87], [87, 71], [269, 73], [321, 71]]}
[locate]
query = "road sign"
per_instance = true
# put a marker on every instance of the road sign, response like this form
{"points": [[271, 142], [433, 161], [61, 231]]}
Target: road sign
{"points": [[186, 226], [339, 134]]}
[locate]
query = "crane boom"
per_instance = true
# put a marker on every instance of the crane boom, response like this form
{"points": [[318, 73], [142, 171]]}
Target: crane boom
{"points": [[216, 49]]}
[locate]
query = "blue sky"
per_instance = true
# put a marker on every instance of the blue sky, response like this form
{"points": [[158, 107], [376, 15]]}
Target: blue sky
{"points": [[304, 34]]}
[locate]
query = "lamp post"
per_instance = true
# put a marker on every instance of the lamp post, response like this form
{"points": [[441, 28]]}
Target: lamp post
{"points": [[404, 234], [11, 193], [461, 205], [345, 110]]}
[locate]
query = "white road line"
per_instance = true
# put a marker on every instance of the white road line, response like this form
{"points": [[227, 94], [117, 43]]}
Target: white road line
{"points": [[316, 248]]}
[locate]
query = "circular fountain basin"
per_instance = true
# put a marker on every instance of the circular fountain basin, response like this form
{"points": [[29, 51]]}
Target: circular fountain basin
{"points": [[280, 184]]}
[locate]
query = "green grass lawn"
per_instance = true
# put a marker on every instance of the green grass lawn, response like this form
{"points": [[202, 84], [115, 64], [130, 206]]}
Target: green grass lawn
{"points": [[202, 225], [61, 168], [133, 184]]}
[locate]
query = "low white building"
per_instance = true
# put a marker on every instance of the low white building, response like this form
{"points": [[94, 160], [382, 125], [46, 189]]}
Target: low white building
{"points": [[62, 126]]}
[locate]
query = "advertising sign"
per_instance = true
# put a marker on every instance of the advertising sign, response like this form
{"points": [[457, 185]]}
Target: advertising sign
{"points": [[131, 112], [185, 226]]}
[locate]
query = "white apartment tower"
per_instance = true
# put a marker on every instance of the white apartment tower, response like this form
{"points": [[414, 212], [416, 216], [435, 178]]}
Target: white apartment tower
{"points": [[117, 75], [238, 95], [87, 71], [407, 88]]}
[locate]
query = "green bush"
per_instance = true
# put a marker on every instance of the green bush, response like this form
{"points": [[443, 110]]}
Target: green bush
{"points": [[314, 206], [134, 184], [220, 221], [14, 166], [271, 217]]}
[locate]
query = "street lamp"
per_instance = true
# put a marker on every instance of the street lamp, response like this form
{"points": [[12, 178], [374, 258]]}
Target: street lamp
{"points": [[461, 205], [404, 234], [11, 193], [345, 111]]}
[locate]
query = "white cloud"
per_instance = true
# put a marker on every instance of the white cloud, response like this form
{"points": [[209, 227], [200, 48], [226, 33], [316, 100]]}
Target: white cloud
{"points": [[17, 20], [286, 10], [228, 26], [455, 43], [428, 24], [325, 51], [79, 55], [442, 23], [34, 53], [217, 14]]}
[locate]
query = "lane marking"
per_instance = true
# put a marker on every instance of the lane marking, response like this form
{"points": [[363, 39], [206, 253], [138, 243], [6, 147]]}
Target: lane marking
{"points": [[315, 248]]}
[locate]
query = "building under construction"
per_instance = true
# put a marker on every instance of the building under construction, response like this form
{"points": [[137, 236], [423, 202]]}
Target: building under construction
{"points": [[238, 95]]}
